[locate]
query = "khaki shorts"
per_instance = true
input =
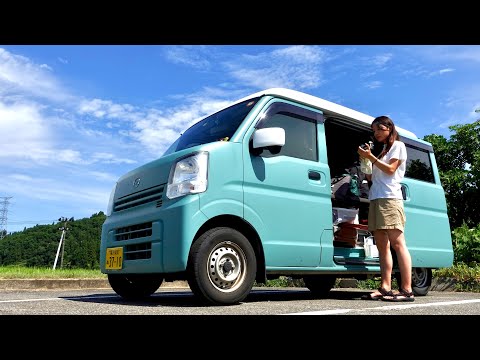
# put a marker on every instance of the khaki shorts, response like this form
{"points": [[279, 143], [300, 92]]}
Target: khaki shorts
{"points": [[386, 214]]}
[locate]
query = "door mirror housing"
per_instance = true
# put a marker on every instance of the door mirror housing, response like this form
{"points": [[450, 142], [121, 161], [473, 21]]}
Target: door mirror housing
{"points": [[266, 137]]}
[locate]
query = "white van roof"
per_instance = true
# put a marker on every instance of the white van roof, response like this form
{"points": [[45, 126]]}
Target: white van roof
{"points": [[322, 104]]}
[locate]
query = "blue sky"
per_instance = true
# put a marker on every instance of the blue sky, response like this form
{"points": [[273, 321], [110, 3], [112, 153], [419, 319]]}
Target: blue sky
{"points": [[74, 118]]}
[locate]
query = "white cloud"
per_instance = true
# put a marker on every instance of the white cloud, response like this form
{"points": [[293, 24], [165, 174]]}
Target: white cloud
{"points": [[375, 64], [444, 71], [45, 66], [67, 155], [300, 54], [373, 84], [21, 177], [106, 109], [19, 75], [24, 130], [32, 138], [56, 189], [382, 60], [441, 72], [194, 56], [109, 158], [460, 106], [297, 67], [156, 131]]}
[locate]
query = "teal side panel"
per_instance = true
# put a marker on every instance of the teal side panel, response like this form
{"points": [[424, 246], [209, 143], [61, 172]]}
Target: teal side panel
{"points": [[224, 194], [181, 218], [427, 230], [327, 253], [288, 209]]}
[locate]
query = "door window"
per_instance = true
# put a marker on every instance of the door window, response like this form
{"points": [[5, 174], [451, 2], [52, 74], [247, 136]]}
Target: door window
{"points": [[300, 131]]}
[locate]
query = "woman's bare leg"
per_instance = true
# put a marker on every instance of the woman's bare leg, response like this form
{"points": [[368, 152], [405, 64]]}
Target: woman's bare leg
{"points": [[397, 240], [385, 256]]}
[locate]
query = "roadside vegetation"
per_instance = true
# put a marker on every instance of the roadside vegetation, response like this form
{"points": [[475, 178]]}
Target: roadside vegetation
{"points": [[23, 272]]}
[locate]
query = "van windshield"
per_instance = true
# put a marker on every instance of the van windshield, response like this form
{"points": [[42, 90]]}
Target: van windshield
{"points": [[217, 127]]}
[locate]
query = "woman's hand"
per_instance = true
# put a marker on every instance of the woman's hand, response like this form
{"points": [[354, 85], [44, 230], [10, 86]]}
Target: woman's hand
{"points": [[364, 151]]}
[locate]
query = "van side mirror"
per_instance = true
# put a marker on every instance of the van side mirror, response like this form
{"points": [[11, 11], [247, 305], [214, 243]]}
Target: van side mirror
{"points": [[266, 137]]}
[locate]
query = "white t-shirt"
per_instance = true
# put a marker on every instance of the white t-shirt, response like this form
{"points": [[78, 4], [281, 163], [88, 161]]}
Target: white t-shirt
{"points": [[388, 186]]}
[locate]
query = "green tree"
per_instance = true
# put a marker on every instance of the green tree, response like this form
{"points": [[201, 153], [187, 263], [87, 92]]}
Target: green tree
{"points": [[37, 246], [458, 160]]}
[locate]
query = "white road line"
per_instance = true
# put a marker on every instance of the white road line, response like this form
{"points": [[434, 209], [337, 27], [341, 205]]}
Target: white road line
{"points": [[323, 312], [443, 303], [55, 299], [26, 300], [388, 307]]}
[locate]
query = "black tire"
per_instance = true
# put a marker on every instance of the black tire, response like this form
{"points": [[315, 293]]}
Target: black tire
{"points": [[222, 267], [135, 286], [320, 285], [421, 280]]}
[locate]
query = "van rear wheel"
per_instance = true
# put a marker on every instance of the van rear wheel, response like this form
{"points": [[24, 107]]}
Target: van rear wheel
{"points": [[135, 286], [319, 285], [421, 280], [222, 267]]}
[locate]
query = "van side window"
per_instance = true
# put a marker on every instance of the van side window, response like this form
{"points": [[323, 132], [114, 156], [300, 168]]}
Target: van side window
{"points": [[419, 165], [300, 133]]}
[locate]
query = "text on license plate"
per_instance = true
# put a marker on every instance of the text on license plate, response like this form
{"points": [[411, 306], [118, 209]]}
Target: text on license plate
{"points": [[114, 258]]}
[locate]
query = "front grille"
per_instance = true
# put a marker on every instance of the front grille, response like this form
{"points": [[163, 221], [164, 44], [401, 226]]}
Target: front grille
{"points": [[138, 251], [139, 198], [133, 231]]}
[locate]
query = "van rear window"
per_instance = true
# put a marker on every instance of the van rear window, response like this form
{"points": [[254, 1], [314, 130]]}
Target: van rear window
{"points": [[419, 165]]}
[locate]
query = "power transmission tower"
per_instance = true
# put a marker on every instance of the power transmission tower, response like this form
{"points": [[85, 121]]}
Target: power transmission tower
{"points": [[3, 216], [61, 243]]}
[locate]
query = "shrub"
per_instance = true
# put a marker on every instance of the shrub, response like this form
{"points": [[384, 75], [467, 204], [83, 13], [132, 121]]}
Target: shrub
{"points": [[466, 278], [466, 245]]}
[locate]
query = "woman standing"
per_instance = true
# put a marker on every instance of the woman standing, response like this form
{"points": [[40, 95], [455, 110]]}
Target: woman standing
{"points": [[386, 216]]}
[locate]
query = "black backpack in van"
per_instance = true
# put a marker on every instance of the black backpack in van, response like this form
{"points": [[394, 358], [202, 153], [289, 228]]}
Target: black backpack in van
{"points": [[348, 188]]}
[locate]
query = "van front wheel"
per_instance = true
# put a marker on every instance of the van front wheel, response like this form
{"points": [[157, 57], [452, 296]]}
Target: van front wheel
{"points": [[222, 267], [421, 280]]}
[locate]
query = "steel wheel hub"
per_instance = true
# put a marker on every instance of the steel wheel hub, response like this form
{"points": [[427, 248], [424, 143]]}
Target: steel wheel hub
{"points": [[226, 265]]}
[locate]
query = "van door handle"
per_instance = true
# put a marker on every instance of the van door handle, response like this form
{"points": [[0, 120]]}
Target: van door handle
{"points": [[404, 192], [313, 175]]}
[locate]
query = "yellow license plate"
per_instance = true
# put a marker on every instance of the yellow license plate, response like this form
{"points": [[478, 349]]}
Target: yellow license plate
{"points": [[114, 258]]}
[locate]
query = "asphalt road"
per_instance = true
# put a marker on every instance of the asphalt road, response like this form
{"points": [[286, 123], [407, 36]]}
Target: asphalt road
{"points": [[261, 301]]}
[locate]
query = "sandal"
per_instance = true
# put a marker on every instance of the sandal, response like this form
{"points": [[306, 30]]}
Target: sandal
{"points": [[402, 296], [373, 296]]}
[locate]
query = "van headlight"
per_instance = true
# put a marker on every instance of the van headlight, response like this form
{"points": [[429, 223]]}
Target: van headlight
{"points": [[188, 175], [110, 201]]}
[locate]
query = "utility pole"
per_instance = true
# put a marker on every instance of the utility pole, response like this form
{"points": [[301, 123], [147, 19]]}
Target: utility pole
{"points": [[61, 243], [3, 216]]}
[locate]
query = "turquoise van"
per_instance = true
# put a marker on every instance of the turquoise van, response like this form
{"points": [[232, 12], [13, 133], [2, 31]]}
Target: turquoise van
{"points": [[245, 195]]}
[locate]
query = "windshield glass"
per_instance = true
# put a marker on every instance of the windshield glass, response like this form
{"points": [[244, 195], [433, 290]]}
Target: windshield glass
{"points": [[217, 127]]}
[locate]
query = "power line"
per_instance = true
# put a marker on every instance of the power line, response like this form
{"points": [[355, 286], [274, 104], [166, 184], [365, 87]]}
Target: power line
{"points": [[3, 215]]}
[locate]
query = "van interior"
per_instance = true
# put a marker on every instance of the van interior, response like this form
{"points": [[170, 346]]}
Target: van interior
{"points": [[353, 243]]}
